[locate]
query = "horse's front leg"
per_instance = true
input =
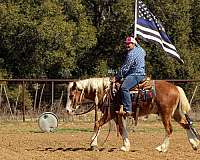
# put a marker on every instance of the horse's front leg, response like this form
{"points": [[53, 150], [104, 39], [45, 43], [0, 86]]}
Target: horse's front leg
{"points": [[94, 143], [96, 101], [168, 128], [124, 133], [98, 124], [165, 145]]}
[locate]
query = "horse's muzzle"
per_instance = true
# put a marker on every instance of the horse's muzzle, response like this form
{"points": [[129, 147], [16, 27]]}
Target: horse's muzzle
{"points": [[69, 112]]}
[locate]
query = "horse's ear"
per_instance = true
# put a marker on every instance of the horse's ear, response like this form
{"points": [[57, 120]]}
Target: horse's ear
{"points": [[74, 85]]}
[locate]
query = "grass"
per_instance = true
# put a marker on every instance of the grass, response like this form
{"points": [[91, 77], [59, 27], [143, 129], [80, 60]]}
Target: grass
{"points": [[9, 127], [73, 130]]}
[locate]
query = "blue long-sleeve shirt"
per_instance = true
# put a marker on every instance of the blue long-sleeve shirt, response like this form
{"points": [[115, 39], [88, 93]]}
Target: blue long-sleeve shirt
{"points": [[134, 63]]}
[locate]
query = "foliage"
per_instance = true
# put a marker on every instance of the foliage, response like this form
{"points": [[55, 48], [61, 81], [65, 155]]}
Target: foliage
{"points": [[37, 40], [15, 97], [195, 22], [3, 74], [83, 38]]}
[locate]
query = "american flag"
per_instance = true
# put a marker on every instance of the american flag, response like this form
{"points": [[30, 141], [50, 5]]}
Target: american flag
{"points": [[148, 27]]}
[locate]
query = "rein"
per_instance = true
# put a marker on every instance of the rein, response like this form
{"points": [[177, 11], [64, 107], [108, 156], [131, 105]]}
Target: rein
{"points": [[90, 109]]}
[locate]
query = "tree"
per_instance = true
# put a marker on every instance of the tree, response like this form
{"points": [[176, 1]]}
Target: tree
{"points": [[112, 19], [71, 38], [37, 39], [19, 40], [195, 37]]}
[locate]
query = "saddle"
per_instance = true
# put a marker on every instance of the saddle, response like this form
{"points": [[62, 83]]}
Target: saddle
{"points": [[145, 84], [142, 92]]}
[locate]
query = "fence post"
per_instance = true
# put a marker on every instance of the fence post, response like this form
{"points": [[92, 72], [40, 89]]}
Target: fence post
{"points": [[8, 101], [23, 99], [1, 93], [52, 94], [193, 94], [41, 97], [36, 93]]}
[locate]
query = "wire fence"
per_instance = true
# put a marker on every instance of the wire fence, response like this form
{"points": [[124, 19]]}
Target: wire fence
{"points": [[26, 99]]}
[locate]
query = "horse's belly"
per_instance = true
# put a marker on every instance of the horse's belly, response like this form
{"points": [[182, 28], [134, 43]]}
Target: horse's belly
{"points": [[145, 108]]}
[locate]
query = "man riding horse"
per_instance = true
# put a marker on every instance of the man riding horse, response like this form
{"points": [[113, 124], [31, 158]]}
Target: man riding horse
{"points": [[132, 72]]}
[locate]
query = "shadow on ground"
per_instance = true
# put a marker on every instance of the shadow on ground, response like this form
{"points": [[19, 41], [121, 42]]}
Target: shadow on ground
{"points": [[71, 149]]}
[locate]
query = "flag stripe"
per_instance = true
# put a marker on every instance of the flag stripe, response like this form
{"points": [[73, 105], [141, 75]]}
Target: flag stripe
{"points": [[150, 37], [152, 26], [156, 35]]}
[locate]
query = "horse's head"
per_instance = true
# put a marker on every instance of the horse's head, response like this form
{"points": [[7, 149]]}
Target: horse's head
{"points": [[74, 96], [82, 93]]}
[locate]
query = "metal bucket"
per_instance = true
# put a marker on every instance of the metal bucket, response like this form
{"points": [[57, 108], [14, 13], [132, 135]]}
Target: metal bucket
{"points": [[48, 121]]}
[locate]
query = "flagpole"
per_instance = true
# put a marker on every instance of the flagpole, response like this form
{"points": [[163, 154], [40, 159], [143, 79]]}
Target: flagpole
{"points": [[135, 19]]}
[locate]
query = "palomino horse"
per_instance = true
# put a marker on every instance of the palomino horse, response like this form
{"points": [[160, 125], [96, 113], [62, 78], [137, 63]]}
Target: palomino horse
{"points": [[93, 89], [169, 101]]}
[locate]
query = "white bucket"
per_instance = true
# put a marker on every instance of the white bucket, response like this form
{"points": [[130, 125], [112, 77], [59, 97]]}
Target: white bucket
{"points": [[48, 122]]}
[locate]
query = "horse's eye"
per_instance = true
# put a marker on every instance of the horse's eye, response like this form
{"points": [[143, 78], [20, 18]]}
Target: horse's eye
{"points": [[71, 96]]}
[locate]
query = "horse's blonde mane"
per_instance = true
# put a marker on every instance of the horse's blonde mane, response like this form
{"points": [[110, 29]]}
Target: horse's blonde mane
{"points": [[92, 84]]}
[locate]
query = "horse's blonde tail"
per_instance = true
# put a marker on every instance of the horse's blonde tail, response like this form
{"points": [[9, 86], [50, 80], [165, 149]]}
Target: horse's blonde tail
{"points": [[184, 105]]}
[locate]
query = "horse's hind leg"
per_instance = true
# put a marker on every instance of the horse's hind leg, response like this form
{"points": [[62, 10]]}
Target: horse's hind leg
{"points": [[168, 128], [98, 124], [183, 119], [193, 136]]}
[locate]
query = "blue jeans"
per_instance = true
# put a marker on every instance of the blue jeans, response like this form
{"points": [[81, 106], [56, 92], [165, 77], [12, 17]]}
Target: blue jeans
{"points": [[129, 82]]}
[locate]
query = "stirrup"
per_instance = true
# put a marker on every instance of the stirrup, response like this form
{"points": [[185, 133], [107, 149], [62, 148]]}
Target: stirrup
{"points": [[123, 113], [127, 114]]}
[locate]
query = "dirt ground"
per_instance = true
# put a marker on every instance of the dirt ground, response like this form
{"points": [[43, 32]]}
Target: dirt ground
{"points": [[24, 141]]}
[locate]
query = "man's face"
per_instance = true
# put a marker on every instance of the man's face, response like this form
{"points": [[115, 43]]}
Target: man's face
{"points": [[130, 46]]}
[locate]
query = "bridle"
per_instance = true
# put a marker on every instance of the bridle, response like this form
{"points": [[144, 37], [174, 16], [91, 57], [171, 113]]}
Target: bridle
{"points": [[75, 103]]}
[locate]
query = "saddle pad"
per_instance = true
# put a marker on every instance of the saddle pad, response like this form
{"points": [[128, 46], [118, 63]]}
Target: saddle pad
{"points": [[145, 95]]}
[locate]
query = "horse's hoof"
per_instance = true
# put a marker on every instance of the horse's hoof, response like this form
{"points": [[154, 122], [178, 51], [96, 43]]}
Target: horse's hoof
{"points": [[195, 148], [161, 149], [195, 143], [125, 149], [93, 148]]}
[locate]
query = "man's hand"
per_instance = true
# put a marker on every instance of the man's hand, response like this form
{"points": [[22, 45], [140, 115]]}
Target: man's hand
{"points": [[113, 80]]}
